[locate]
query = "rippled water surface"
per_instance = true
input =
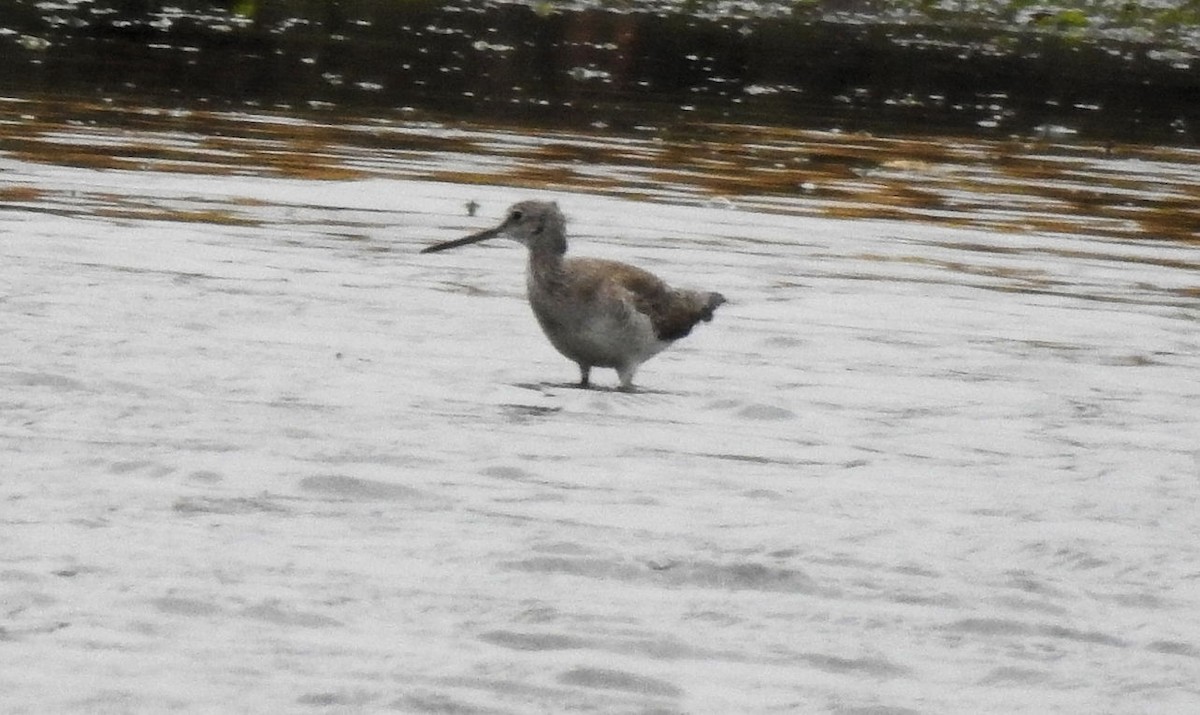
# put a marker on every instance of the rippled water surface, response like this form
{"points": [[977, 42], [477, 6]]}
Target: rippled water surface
{"points": [[938, 454]]}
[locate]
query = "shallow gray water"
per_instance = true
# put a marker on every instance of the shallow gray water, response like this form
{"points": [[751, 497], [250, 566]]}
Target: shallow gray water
{"points": [[263, 456]]}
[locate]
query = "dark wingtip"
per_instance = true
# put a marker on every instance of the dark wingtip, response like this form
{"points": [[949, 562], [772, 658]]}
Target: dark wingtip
{"points": [[715, 300]]}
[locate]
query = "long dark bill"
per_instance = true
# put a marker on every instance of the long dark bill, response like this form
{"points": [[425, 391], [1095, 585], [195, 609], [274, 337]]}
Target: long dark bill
{"points": [[473, 238]]}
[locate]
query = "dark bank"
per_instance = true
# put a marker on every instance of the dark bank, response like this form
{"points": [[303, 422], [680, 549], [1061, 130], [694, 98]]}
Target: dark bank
{"points": [[818, 65]]}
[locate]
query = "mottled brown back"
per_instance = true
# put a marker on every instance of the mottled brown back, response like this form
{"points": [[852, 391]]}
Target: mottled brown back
{"points": [[672, 312]]}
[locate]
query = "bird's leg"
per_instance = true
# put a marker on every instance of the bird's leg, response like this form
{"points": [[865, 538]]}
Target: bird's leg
{"points": [[625, 372], [585, 373]]}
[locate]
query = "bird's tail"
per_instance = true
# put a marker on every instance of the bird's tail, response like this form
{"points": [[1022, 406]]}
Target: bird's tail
{"points": [[713, 302]]}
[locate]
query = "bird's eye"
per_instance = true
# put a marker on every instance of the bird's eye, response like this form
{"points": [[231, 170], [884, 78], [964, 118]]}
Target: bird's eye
{"points": [[515, 216]]}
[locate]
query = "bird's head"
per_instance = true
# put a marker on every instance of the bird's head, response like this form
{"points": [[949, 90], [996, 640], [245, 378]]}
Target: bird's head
{"points": [[539, 225]]}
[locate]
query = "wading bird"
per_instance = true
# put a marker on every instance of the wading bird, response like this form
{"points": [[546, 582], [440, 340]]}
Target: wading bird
{"points": [[597, 313]]}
